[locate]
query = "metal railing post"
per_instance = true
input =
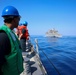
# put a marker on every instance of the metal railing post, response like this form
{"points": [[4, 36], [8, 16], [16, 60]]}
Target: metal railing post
{"points": [[36, 41]]}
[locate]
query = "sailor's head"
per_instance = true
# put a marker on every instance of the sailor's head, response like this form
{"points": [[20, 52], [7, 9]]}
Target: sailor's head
{"points": [[25, 23], [11, 15]]}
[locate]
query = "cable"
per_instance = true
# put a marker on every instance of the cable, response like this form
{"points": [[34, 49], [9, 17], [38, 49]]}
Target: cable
{"points": [[51, 62]]}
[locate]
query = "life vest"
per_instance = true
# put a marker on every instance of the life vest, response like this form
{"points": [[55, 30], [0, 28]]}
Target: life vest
{"points": [[14, 61], [19, 31], [27, 35]]}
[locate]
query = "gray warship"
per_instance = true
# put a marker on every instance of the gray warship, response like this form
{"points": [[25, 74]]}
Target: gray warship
{"points": [[52, 33]]}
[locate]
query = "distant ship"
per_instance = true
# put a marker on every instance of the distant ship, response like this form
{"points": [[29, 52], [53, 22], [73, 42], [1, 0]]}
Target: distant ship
{"points": [[53, 33]]}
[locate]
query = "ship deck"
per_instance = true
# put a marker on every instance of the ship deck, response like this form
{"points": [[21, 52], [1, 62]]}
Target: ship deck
{"points": [[32, 64]]}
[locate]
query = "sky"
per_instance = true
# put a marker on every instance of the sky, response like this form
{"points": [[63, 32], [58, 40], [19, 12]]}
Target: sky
{"points": [[43, 15]]}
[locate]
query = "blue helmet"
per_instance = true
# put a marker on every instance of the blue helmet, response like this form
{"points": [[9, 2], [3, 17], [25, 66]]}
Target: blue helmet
{"points": [[10, 11], [20, 24], [25, 23]]}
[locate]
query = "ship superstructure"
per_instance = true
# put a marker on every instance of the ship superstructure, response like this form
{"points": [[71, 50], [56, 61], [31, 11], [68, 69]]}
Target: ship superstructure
{"points": [[53, 33]]}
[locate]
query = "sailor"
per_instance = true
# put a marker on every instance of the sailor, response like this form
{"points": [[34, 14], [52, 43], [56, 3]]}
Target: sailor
{"points": [[23, 34], [27, 33], [11, 61]]}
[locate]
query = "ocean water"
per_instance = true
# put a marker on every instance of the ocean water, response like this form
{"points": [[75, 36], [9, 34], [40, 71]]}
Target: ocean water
{"points": [[58, 55]]}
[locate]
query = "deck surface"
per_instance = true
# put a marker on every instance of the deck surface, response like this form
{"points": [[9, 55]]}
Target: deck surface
{"points": [[31, 66]]}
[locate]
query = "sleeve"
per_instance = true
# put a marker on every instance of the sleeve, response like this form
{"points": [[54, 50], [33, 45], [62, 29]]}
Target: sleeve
{"points": [[5, 48]]}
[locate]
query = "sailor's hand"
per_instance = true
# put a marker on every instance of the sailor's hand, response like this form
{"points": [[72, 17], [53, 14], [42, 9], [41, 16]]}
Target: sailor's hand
{"points": [[20, 36]]}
